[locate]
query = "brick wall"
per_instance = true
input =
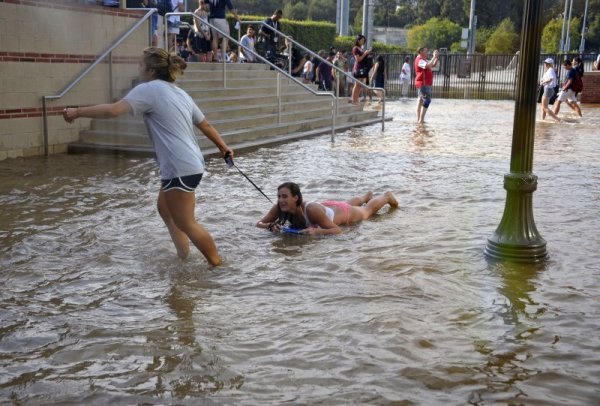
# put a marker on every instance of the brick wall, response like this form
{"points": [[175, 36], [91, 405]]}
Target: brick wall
{"points": [[591, 87], [44, 45]]}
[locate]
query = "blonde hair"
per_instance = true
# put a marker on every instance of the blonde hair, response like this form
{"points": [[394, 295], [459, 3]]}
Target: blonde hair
{"points": [[166, 66]]}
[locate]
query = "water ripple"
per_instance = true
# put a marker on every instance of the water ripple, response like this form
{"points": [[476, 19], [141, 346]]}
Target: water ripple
{"points": [[402, 309]]}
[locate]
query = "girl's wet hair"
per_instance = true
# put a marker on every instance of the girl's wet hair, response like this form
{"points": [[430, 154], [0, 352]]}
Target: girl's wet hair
{"points": [[166, 66], [295, 221]]}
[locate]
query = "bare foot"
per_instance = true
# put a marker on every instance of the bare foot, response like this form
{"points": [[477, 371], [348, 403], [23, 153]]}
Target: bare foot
{"points": [[391, 199]]}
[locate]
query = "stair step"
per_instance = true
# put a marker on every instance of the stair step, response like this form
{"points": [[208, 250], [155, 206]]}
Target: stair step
{"points": [[210, 149], [224, 121], [245, 113], [139, 137]]}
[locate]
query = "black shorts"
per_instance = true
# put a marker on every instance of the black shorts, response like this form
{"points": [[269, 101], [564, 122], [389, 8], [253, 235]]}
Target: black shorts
{"points": [[360, 73], [186, 183]]}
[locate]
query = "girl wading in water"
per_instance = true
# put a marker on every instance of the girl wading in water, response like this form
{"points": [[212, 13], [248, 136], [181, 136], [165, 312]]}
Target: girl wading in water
{"points": [[320, 218], [170, 115]]}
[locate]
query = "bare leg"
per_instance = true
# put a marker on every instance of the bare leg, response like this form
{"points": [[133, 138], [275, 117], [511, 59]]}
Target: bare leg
{"points": [[419, 108], [176, 207], [223, 48], [556, 107], [215, 46], [180, 239], [362, 213], [172, 38], [575, 107], [546, 109], [360, 200], [356, 91]]}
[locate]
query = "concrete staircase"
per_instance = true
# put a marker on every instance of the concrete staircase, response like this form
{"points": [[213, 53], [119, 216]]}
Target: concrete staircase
{"points": [[245, 113]]}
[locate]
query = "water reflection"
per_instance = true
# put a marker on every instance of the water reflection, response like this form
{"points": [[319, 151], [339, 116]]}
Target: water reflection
{"points": [[518, 283], [422, 137]]}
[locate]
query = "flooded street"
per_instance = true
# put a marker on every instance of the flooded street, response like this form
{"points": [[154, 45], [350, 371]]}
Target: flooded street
{"points": [[401, 309]]}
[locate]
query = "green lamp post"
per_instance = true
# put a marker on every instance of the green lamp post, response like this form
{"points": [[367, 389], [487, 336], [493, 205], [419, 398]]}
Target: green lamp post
{"points": [[517, 238]]}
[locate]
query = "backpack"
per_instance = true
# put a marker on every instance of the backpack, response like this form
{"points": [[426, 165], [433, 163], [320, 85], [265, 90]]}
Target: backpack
{"points": [[577, 85]]}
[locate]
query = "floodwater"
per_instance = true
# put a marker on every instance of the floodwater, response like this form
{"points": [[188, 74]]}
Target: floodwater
{"points": [[403, 309]]}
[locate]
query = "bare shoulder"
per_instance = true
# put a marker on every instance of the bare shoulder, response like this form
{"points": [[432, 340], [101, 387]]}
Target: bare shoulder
{"points": [[315, 212]]}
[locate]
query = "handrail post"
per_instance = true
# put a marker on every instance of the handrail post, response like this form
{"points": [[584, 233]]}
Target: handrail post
{"points": [[383, 110], [337, 92], [289, 51], [166, 32], [333, 118], [278, 98], [110, 77], [224, 62], [150, 32], [45, 119]]}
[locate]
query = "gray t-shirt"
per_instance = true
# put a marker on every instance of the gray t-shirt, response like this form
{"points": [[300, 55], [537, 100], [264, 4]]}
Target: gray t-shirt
{"points": [[170, 115]]}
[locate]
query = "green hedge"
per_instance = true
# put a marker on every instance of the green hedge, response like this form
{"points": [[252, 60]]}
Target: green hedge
{"points": [[314, 35]]}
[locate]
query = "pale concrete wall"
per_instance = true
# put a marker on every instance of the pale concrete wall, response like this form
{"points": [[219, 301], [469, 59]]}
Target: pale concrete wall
{"points": [[44, 45], [391, 35]]}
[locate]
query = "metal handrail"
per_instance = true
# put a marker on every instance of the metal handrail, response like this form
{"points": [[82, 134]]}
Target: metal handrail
{"points": [[347, 75], [334, 104], [106, 53]]}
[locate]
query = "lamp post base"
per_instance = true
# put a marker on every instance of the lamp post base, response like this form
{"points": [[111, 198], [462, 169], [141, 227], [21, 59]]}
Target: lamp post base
{"points": [[517, 238], [515, 253]]}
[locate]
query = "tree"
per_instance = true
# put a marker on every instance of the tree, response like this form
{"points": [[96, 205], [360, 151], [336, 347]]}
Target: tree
{"points": [[492, 13], [504, 39], [552, 32], [481, 37], [454, 11], [358, 20], [323, 10], [384, 13], [297, 11], [551, 36], [435, 33], [592, 39], [406, 15], [426, 9]]}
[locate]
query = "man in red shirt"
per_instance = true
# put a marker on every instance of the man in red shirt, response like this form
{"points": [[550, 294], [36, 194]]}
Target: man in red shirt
{"points": [[424, 80]]}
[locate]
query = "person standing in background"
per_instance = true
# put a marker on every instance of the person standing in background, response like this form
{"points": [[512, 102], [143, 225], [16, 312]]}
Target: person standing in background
{"points": [[247, 41], [568, 92], [359, 70], [379, 76], [424, 80], [549, 82], [405, 77], [173, 25], [217, 18], [269, 37], [324, 72], [199, 41], [341, 63]]}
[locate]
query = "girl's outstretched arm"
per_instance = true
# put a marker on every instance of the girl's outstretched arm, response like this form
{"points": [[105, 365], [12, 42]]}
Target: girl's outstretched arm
{"points": [[268, 218], [108, 110]]}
